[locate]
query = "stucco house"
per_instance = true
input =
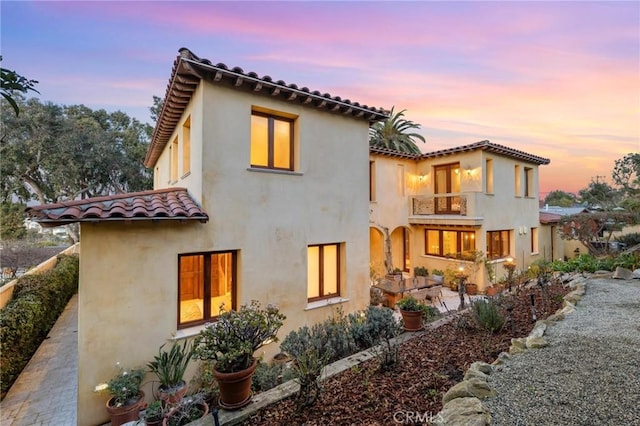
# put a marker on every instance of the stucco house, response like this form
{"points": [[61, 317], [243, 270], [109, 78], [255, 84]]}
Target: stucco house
{"points": [[259, 193], [439, 206]]}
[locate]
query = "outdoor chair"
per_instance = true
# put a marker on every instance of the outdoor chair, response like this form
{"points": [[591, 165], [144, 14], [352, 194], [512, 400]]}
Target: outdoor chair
{"points": [[434, 293], [420, 295]]}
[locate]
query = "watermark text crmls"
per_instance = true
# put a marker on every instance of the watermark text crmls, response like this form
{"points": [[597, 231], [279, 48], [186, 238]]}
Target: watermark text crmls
{"points": [[417, 418]]}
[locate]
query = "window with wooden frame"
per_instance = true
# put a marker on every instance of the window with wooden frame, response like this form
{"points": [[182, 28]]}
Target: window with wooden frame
{"points": [[528, 182], [186, 146], [272, 144], [440, 242], [173, 151], [323, 271], [498, 244], [206, 281], [447, 181]]}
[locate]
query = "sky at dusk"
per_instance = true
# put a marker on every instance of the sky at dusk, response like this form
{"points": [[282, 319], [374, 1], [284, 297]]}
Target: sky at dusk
{"points": [[555, 79]]}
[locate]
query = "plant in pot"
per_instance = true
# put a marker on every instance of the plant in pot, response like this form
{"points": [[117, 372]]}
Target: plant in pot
{"points": [[154, 414], [126, 397], [438, 276], [411, 311], [421, 273], [189, 409], [231, 342], [170, 366]]}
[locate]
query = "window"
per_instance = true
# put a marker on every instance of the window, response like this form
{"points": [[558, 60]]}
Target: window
{"points": [[498, 244], [406, 250], [186, 146], [516, 171], [323, 271], [449, 243], [205, 281], [447, 181], [372, 180], [489, 176], [528, 182], [173, 150], [271, 141], [534, 240]]}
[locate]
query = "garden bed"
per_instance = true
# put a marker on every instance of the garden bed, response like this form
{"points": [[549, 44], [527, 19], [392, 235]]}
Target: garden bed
{"points": [[430, 363]]}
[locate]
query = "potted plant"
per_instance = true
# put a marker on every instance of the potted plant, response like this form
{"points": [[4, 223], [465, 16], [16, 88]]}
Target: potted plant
{"points": [[126, 397], [421, 273], [438, 276], [154, 414], [231, 342], [170, 366], [411, 311], [188, 410]]}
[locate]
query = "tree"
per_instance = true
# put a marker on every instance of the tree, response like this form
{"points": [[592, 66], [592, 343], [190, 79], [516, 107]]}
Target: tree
{"points": [[560, 198], [156, 108], [626, 174], [12, 221], [392, 134], [599, 195], [12, 82], [595, 229]]}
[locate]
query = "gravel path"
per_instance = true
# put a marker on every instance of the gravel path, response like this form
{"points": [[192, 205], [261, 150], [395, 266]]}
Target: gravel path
{"points": [[590, 372]]}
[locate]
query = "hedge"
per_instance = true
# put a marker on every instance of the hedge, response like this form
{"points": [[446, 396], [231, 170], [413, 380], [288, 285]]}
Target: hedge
{"points": [[38, 300]]}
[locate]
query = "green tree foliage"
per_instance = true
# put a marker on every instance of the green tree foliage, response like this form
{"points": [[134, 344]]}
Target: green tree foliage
{"points": [[11, 83], [599, 195], [12, 221], [595, 229], [53, 153], [626, 174], [392, 134], [560, 198]]}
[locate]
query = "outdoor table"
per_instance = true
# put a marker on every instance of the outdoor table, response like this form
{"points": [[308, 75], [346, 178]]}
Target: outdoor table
{"points": [[394, 290]]}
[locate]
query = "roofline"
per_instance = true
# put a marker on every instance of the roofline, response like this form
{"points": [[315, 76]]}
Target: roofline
{"points": [[490, 147], [189, 70]]}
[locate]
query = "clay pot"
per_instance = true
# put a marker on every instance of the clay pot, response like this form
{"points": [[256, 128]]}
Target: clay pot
{"points": [[126, 413], [412, 320], [235, 388]]}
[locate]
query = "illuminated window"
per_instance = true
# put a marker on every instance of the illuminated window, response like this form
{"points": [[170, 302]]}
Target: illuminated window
{"points": [[447, 181], [489, 176], [498, 244], [186, 146], [205, 282], [173, 150], [372, 180], [449, 243], [534, 240], [271, 141], [518, 180], [528, 182], [323, 271]]}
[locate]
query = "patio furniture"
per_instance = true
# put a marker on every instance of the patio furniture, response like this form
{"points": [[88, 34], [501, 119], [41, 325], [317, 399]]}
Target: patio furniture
{"points": [[421, 295], [395, 290], [434, 293]]}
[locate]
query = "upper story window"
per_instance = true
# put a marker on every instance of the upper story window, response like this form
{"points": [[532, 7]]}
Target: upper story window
{"points": [[372, 180], [271, 141], [528, 182], [518, 181], [447, 181], [205, 282], [186, 146], [173, 149], [489, 176]]}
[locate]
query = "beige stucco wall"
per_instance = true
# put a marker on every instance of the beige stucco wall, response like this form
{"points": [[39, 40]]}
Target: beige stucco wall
{"points": [[500, 210], [128, 296]]}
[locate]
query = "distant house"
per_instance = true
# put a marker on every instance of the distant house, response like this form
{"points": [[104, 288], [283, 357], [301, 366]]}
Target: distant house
{"points": [[441, 206], [549, 220], [259, 193]]}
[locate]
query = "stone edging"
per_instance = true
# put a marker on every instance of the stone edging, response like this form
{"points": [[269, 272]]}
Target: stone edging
{"points": [[462, 404]]}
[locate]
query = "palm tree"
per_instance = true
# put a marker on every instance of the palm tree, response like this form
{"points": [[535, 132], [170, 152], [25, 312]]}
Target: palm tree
{"points": [[390, 134]]}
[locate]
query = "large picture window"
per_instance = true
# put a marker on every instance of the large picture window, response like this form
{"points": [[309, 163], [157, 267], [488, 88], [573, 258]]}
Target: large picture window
{"points": [[498, 244], [271, 141], [323, 271], [205, 282], [440, 242]]}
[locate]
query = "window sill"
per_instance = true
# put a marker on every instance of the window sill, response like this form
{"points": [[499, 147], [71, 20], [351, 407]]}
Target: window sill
{"points": [[325, 302], [185, 175], [275, 171], [185, 333]]}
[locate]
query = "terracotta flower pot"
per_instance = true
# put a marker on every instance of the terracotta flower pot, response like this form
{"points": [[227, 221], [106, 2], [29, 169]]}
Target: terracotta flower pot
{"points": [[412, 320], [126, 413], [173, 396], [235, 388], [184, 420], [471, 289]]}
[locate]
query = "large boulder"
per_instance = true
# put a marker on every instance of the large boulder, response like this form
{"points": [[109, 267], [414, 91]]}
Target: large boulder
{"points": [[472, 387], [623, 273], [467, 411]]}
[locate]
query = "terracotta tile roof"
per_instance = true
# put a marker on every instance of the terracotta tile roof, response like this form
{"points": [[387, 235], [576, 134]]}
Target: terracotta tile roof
{"points": [[549, 217], [482, 145], [161, 204], [189, 69], [490, 147]]}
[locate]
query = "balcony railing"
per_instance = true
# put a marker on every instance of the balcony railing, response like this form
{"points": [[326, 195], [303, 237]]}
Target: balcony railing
{"points": [[440, 205]]}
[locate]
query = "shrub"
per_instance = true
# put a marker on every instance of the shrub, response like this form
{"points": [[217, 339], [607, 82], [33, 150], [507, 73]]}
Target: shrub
{"points": [[486, 314], [268, 376], [369, 327], [38, 300]]}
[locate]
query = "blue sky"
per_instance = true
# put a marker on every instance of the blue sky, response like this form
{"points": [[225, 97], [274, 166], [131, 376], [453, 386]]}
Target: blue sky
{"points": [[556, 79]]}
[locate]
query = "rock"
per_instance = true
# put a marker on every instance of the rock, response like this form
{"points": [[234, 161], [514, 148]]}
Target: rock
{"points": [[475, 374], [482, 366], [553, 318], [538, 329], [536, 342], [472, 387], [636, 274], [572, 298], [463, 412], [501, 359], [568, 309], [623, 273]]}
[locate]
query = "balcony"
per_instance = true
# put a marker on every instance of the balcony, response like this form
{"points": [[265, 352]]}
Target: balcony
{"points": [[444, 209]]}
